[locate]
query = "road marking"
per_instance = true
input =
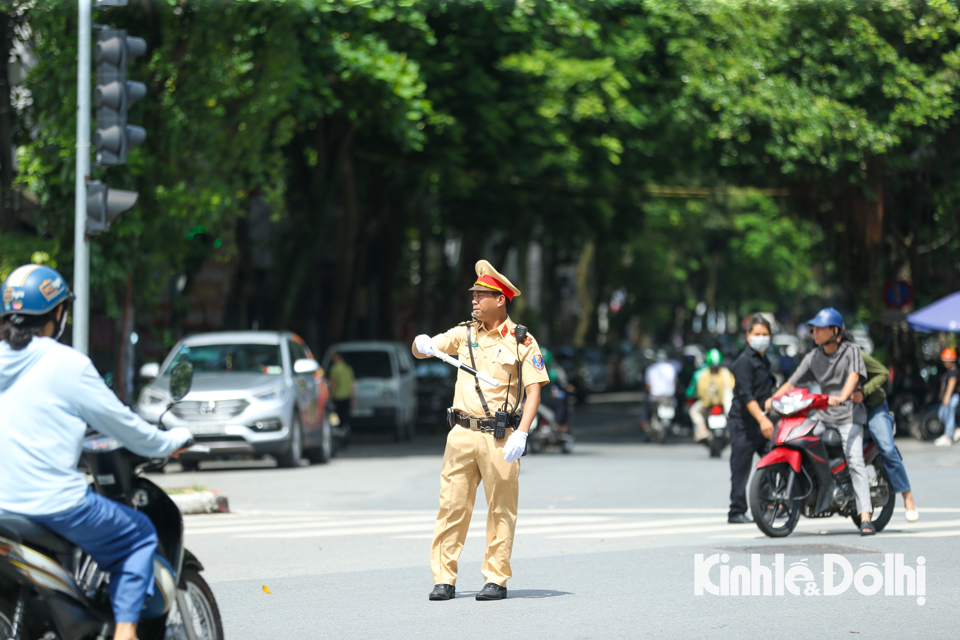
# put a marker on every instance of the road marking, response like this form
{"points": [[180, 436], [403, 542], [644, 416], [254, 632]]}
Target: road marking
{"points": [[548, 523], [818, 525]]}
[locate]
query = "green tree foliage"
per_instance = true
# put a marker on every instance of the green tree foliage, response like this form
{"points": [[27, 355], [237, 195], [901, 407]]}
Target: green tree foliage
{"points": [[378, 132]]}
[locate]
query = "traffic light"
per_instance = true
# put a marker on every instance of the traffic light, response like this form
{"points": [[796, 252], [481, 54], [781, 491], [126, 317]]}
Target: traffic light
{"points": [[105, 204], [114, 95]]}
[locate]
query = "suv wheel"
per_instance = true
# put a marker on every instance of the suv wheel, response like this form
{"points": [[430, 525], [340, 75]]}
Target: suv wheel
{"points": [[321, 454], [294, 453]]}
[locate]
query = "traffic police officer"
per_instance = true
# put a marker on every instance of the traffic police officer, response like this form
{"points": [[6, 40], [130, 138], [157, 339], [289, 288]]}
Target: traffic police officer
{"points": [[488, 343]]}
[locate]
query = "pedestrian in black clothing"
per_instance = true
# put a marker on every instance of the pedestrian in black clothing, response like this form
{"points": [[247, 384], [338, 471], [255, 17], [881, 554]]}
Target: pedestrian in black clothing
{"points": [[750, 430]]}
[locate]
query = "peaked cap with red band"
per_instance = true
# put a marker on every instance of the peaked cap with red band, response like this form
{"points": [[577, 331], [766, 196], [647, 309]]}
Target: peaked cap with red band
{"points": [[489, 279]]}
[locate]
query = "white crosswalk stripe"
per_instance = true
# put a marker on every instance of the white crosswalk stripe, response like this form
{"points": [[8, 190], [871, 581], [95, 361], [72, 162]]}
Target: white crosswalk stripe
{"points": [[583, 524]]}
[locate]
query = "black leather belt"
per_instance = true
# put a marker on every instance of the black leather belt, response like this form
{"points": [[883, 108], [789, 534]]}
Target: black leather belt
{"points": [[475, 424]]}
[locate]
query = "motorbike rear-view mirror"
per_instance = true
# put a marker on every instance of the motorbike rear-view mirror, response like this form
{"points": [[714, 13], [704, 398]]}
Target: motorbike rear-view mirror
{"points": [[181, 379]]}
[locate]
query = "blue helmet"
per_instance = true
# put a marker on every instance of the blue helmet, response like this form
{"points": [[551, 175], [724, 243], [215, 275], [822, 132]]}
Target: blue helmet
{"points": [[828, 317], [33, 290]]}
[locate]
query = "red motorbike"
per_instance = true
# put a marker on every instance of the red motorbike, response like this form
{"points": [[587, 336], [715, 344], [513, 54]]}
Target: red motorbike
{"points": [[806, 472]]}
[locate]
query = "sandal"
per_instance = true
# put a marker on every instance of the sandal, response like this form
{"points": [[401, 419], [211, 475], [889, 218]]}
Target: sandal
{"points": [[867, 529], [912, 515]]}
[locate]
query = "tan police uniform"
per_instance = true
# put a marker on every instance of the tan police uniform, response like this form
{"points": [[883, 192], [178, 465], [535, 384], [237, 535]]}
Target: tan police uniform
{"points": [[473, 455]]}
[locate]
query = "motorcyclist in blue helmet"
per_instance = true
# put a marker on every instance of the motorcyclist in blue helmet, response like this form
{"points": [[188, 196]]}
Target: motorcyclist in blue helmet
{"points": [[34, 295], [837, 366], [49, 393]]}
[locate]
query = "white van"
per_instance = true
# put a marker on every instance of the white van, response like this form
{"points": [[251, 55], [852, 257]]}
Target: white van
{"points": [[386, 386]]}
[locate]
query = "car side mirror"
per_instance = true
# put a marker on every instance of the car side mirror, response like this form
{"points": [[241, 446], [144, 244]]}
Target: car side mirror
{"points": [[181, 379], [150, 370], [305, 365]]}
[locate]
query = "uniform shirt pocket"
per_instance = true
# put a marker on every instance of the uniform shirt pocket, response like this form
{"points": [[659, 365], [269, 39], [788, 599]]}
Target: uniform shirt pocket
{"points": [[505, 366]]}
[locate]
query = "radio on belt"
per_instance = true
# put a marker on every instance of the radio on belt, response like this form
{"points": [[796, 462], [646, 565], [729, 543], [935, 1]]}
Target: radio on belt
{"points": [[500, 421]]}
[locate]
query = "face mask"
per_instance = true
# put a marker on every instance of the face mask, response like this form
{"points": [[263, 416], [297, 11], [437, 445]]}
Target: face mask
{"points": [[759, 343], [61, 325]]}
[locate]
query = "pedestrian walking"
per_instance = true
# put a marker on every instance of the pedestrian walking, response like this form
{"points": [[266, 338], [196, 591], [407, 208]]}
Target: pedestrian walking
{"points": [[488, 432], [949, 399]]}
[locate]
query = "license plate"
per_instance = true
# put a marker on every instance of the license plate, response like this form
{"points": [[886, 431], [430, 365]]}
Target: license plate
{"points": [[667, 413], [362, 412], [200, 429], [717, 422]]}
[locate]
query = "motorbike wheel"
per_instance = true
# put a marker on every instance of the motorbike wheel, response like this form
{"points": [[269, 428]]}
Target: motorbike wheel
{"points": [[878, 482], [536, 444], [716, 446], [765, 505], [202, 608], [658, 432], [929, 425], [661, 435]]}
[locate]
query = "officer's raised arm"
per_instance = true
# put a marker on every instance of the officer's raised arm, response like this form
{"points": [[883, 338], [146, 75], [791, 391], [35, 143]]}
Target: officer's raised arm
{"points": [[447, 342]]}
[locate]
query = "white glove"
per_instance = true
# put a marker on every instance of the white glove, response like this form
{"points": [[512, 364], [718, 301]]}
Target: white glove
{"points": [[424, 344], [515, 446], [180, 435]]}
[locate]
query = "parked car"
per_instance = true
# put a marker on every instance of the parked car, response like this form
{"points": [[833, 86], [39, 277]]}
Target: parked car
{"points": [[254, 393], [435, 386], [593, 370], [386, 386]]}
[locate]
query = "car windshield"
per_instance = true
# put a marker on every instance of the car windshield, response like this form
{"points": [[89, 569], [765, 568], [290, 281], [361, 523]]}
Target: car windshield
{"points": [[434, 369], [369, 364], [231, 358]]}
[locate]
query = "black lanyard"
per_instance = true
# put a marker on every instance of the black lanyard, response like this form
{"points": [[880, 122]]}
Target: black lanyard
{"points": [[476, 380]]}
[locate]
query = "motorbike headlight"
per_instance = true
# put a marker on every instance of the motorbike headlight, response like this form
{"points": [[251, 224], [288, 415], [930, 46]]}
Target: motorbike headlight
{"points": [[786, 405], [148, 398], [273, 395]]}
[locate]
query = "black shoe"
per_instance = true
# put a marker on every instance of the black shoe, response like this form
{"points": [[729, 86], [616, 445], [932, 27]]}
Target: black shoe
{"points": [[740, 518], [867, 529], [492, 591], [443, 592]]}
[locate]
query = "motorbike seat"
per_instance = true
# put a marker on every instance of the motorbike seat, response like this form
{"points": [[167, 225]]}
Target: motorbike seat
{"points": [[831, 438], [28, 532]]}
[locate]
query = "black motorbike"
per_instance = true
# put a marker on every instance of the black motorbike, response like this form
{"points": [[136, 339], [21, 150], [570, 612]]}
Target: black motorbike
{"points": [[51, 590], [544, 433]]}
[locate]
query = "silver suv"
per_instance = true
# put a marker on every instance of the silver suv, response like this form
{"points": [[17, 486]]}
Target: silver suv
{"points": [[254, 393]]}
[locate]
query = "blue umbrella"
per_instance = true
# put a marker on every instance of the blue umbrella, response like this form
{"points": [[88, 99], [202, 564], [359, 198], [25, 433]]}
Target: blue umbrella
{"points": [[942, 315]]}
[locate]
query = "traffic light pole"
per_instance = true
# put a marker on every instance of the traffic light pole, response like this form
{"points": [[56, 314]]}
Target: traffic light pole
{"points": [[81, 246]]}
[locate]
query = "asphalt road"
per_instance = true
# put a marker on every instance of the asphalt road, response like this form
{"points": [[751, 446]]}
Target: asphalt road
{"points": [[607, 546]]}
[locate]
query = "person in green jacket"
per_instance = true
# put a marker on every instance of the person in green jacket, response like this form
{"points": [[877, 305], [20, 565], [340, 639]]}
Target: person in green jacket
{"points": [[343, 387], [880, 424]]}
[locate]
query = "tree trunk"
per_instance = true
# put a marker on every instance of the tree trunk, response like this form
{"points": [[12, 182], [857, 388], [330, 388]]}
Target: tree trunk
{"points": [[343, 283], [583, 293]]}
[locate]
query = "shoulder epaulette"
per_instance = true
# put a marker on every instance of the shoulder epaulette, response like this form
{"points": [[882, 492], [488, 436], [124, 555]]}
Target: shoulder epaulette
{"points": [[526, 341]]}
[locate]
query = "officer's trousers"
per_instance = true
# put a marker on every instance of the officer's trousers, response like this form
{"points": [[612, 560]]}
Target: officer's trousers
{"points": [[472, 456]]}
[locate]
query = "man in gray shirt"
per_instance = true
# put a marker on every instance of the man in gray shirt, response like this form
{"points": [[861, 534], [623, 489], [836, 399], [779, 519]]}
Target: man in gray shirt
{"points": [[837, 366]]}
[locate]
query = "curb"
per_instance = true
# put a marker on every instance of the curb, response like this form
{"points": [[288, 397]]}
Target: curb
{"points": [[201, 502]]}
